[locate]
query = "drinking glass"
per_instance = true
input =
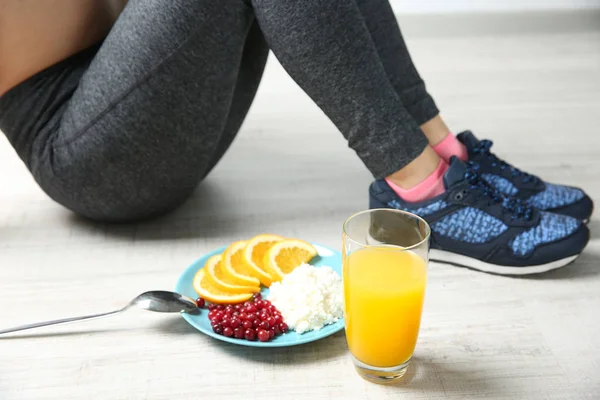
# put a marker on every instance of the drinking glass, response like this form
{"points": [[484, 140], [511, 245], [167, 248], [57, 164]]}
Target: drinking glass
{"points": [[385, 255]]}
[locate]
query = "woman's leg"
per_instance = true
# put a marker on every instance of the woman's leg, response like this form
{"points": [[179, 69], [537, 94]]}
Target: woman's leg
{"points": [[406, 80], [145, 121], [255, 56], [326, 48], [471, 225], [395, 57]]}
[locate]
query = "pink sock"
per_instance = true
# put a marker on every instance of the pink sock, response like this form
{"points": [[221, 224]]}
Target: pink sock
{"points": [[432, 186], [449, 147]]}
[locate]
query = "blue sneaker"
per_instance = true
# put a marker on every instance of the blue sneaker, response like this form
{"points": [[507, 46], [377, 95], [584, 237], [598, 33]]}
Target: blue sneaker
{"points": [[475, 226], [510, 181]]}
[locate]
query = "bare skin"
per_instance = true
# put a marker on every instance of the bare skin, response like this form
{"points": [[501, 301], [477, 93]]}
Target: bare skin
{"points": [[435, 130], [417, 170], [35, 34]]}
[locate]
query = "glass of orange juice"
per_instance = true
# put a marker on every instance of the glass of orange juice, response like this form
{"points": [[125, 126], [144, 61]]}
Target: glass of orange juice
{"points": [[385, 258]]}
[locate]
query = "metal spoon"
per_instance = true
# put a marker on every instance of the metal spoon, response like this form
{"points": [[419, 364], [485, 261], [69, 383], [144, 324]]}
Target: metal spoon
{"points": [[157, 300]]}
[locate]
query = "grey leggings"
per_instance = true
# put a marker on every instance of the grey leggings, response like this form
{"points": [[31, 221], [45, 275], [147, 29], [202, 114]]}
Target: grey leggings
{"points": [[126, 130]]}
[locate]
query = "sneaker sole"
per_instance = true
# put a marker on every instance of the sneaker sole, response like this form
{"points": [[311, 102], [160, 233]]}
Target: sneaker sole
{"points": [[447, 257]]}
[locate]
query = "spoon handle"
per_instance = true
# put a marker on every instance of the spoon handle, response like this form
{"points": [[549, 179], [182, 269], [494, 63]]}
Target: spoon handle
{"points": [[60, 321]]}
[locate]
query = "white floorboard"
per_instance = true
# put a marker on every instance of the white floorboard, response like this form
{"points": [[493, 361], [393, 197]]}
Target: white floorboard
{"points": [[536, 94]]}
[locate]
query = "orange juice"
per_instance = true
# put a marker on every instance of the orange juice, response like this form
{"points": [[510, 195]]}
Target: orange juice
{"points": [[384, 292]]}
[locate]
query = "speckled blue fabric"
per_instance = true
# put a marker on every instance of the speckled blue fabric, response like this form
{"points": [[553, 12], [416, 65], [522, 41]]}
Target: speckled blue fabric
{"points": [[502, 184], [552, 227], [555, 196], [469, 225], [421, 211]]}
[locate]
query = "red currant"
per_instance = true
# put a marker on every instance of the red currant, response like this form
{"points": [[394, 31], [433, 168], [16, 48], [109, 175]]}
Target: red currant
{"points": [[264, 325], [257, 296], [228, 332], [226, 322], [243, 316], [247, 324], [263, 335], [238, 308], [235, 322], [271, 334], [210, 307], [278, 319], [251, 308], [220, 307], [218, 329], [283, 327], [229, 310], [277, 330], [219, 315], [250, 335], [200, 302], [238, 333]]}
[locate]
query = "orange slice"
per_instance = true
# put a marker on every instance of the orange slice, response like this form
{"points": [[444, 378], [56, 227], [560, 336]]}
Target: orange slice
{"points": [[215, 272], [283, 257], [254, 256], [235, 267], [206, 289]]}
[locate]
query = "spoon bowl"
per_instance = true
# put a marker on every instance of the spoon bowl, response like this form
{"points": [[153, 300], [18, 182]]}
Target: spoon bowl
{"points": [[164, 302]]}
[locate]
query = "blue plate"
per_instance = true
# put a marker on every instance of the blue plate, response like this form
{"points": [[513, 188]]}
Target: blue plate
{"points": [[327, 257]]}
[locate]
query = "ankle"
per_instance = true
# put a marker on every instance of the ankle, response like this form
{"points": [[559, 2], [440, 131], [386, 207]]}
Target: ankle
{"points": [[431, 186], [435, 130], [417, 170], [429, 183]]}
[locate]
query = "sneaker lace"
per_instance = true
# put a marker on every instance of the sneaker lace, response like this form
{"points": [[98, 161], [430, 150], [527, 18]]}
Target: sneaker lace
{"points": [[484, 146], [516, 207]]}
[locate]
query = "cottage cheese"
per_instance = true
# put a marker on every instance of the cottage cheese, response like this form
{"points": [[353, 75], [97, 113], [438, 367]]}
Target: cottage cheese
{"points": [[309, 298]]}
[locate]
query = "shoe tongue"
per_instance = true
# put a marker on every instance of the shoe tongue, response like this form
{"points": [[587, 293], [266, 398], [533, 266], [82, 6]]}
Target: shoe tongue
{"points": [[455, 173], [468, 139]]}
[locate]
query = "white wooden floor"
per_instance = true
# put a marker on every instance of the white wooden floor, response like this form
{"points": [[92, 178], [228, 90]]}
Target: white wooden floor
{"points": [[537, 94]]}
